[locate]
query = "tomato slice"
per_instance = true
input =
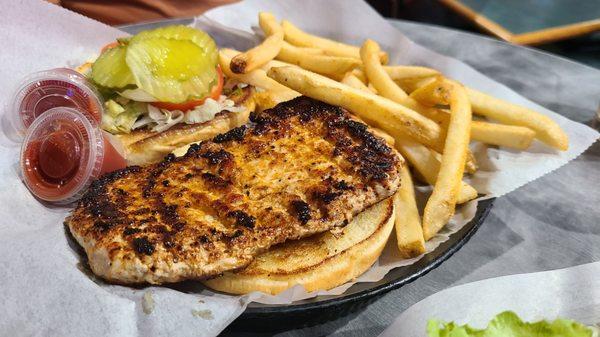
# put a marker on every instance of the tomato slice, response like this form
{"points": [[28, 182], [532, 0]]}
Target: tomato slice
{"points": [[109, 46], [215, 93]]}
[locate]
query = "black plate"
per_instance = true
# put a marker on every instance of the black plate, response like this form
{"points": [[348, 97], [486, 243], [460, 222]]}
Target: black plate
{"points": [[263, 317]]}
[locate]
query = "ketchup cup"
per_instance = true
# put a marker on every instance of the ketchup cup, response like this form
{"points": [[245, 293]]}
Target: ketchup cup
{"points": [[63, 151], [44, 90]]}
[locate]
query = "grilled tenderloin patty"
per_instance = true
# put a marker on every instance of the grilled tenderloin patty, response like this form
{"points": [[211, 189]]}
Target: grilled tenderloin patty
{"points": [[302, 168]]}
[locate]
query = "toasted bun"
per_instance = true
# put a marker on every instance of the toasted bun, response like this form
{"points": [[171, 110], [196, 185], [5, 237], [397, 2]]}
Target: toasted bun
{"points": [[145, 147], [319, 262]]}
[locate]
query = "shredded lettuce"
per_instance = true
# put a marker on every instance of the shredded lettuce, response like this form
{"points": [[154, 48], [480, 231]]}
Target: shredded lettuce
{"points": [[210, 109], [120, 118], [508, 324], [163, 119]]}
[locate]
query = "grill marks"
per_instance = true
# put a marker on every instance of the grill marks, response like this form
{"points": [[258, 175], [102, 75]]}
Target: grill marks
{"points": [[302, 211], [242, 219], [351, 139], [98, 203], [301, 168], [235, 134]]}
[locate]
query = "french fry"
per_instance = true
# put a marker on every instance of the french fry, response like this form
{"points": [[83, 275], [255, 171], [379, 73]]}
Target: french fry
{"points": [[442, 118], [380, 133], [360, 75], [268, 23], [409, 232], [268, 99], [516, 137], [385, 86], [399, 73], [333, 66], [471, 163], [391, 117], [297, 37], [264, 52], [442, 202], [433, 93], [411, 84], [372, 88], [427, 165], [276, 63], [354, 82], [546, 130], [257, 78]]}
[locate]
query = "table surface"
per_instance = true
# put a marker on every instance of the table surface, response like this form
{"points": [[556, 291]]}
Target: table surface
{"points": [[553, 222]]}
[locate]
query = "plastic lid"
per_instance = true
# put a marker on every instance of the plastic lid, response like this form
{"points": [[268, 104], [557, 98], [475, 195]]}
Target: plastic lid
{"points": [[42, 91], [62, 152]]}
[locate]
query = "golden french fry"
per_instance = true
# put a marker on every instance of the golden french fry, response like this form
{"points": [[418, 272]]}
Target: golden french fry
{"points": [[372, 88], [360, 75], [387, 115], [257, 78], [229, 53], [268, 99], [442, 202], [276, 63], [297, 37], [411, 84], [385, 86], [264, 52], [546, 130], [516, 137], [334, 66], [427, 164], [380, 133], [433, 93], [268, 23], [441, 117], [351, 80], [399, 73], [409, 232], [471, 163]]}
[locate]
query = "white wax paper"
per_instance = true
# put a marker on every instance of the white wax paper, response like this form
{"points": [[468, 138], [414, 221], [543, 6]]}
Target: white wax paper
{"points": [[45, 288], [572, 293]]}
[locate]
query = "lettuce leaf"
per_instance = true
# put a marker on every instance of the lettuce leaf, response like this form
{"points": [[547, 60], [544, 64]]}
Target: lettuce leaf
{"points": [[508, 324], [120, 118]]}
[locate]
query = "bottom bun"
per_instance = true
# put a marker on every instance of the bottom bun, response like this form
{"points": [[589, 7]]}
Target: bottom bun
{"points": [[145, 147], [319, 262]]}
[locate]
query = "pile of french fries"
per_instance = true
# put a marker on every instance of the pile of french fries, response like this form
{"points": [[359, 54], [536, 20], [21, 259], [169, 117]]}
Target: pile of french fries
{"points": [[424, 115]]}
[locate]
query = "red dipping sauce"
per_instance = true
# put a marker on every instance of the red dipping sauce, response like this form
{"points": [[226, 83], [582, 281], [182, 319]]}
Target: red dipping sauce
{"points": [[63, 152], [42, 91]]}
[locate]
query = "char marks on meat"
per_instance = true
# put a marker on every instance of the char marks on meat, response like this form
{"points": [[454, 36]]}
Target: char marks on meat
{"points": [[303, 167]]}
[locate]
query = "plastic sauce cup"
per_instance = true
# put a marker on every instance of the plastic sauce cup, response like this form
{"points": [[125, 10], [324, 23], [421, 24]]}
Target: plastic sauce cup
{"points": [[42, 91], [63, 152]]}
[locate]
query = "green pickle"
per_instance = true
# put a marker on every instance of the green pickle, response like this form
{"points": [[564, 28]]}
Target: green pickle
{"points": [[174, 64], [110, 69], [185, 33], [170, 70]]}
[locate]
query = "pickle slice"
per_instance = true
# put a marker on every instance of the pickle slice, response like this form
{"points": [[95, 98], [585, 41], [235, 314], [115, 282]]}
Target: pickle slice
{"points": [[110, 69], [179, 32], [169, 69]]}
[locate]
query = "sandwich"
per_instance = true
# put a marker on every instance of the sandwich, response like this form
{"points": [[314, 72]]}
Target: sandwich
{"points": [[319, 262], [155, 104], [301, 168]]}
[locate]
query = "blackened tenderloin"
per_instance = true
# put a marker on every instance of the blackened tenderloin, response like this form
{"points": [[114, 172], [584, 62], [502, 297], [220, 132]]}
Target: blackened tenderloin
{"points": [[301, 168]]}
